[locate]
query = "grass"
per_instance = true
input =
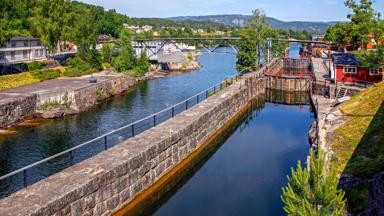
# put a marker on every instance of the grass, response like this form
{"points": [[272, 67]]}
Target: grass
{"points": [[359, 143], [16, 80]]}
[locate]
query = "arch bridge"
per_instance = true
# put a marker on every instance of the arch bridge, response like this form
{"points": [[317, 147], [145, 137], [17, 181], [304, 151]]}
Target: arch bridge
{"points": [[154, 46]]}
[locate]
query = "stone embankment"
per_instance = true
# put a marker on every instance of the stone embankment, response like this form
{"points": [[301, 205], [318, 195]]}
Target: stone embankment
{"points": [[110, 180], [55, 98]]}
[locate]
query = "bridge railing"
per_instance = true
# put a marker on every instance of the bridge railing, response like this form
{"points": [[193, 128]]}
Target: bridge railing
{"points": [[37, 171]]}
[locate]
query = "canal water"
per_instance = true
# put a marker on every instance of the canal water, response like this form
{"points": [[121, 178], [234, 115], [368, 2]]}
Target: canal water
{"points": [[244, 172]]}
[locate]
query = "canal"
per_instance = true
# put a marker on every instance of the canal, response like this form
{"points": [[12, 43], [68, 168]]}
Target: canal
{"points": [[241, 175]]}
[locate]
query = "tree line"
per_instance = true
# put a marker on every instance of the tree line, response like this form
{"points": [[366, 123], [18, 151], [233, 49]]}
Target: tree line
{"points": [[365, 28]]}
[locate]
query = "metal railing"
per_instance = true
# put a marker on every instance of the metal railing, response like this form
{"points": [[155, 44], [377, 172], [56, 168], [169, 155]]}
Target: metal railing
{"points": [[105, 141]]}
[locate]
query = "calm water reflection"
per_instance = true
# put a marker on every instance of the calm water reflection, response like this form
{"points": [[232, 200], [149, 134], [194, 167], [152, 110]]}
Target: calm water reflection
{"points": [[245, 175]]}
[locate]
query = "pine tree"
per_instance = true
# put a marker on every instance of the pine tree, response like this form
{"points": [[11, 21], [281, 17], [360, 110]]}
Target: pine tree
{"points": [[313, 190]]}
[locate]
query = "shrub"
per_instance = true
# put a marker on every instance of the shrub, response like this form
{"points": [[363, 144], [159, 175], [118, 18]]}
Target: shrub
{"points": [[77, 67], [45, 74], [36, 65], [78, 71], [313, 190]]}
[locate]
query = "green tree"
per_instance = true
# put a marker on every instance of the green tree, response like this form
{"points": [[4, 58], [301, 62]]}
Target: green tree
{"points": [[254, 41], [338, 33], [142, 64], [106, 53], [126, 59], [50, 20], [247, 50], [312, 191], [364, 20]]}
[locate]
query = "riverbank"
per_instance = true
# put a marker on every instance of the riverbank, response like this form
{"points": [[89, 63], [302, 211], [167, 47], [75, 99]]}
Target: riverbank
{"points": [[351, 135], [66, 96], [58, 97]]}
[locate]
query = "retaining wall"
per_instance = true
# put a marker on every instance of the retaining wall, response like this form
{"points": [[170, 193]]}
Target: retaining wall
{"points": [[55, 102], [111, 179], [17, 109]]}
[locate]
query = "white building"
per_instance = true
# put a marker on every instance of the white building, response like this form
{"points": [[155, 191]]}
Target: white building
{"points": [[22, 50], [147, 28]]}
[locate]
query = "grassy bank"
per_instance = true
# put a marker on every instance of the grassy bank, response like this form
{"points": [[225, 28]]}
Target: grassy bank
{"points": [[16, 80], [359, 144]]}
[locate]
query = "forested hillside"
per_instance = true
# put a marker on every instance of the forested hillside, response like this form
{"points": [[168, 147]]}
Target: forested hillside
{"points": [[237, 20], [60, 20]]}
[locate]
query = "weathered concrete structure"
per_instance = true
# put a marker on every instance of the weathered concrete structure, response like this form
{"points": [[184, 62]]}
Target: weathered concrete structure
{"points": [[14, 109], [58, 97], [108, 181]]}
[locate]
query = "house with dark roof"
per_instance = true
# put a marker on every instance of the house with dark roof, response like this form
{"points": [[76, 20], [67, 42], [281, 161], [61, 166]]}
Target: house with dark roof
{"points": [[22, 50], [348, 69]]}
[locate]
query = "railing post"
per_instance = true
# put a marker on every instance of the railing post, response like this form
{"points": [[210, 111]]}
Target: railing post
{"points": [[173, 111], [154, 120], [206, 94], [186, 104], [197, 99], [105, 143], [25, 183], [133, 130], [71, 157], [214, 89]]}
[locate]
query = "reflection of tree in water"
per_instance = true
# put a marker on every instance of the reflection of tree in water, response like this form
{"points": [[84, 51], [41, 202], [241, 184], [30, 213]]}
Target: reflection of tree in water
{"points": [[287, 97]]}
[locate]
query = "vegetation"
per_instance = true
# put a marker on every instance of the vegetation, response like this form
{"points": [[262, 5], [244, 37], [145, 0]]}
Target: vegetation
{"points": [[358, 144], [253, 45], [16, 80], [36, 65], [313, 190], [77, 67], [45, 74], [365, 24]]}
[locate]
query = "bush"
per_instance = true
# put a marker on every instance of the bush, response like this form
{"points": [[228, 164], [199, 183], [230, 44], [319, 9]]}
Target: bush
{"points": [[36, 65], [80, 70], [77, 67], [313, 190], [45, 74]]}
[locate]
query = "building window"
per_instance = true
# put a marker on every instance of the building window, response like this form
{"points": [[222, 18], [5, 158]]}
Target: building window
{"points": [[38, 43], [36, 53], [25, 43], [13, 55], [373, 72], [25, 54], [350, 70], [13, 44], [41, 52], [2, 55]]}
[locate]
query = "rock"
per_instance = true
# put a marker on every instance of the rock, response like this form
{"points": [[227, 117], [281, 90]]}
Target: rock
{"points": [[376, 196], [312, 134]]}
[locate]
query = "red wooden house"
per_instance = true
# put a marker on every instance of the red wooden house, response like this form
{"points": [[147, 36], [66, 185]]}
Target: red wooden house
{"points": [[347, 69]]}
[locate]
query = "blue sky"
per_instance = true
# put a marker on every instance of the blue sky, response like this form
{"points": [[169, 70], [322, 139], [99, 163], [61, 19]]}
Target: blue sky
{"points": [[287, 10]]}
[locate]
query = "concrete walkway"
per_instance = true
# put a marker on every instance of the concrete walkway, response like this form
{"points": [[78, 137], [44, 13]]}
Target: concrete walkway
{"points": [[53, 86], [320, 70]]}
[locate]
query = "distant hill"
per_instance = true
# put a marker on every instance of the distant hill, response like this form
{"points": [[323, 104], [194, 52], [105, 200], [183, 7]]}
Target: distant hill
{"points": [[237, 20]]}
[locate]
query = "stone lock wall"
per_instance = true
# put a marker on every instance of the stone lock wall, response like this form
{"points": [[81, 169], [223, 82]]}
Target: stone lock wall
{"points": [[16, 110], [111, 179]]}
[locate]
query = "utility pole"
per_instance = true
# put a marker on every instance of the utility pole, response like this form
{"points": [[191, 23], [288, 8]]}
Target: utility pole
{"points": [[269, 49]]}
